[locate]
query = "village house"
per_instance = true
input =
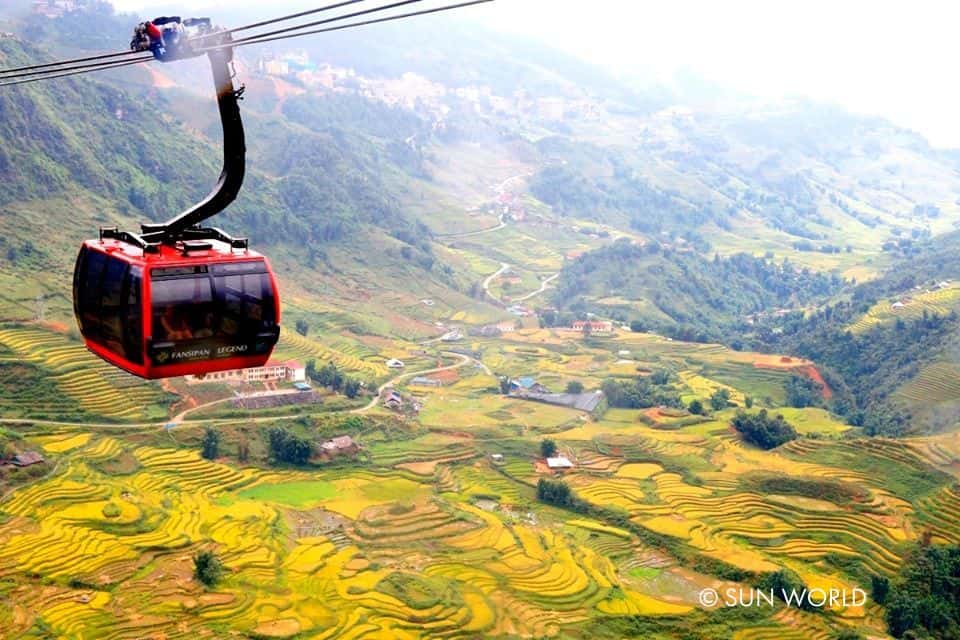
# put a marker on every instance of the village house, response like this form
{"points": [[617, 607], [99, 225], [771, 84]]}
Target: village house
{"points": [[27, 459], [487, 331], [290, 371], [596, 327], [392, 399], [424, 381], [339, 446], [525, 385], [559, 463], [393, 363]]}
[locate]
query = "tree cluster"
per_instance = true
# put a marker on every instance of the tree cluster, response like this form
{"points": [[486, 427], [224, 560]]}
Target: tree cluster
{"points": [[330, 376], [640, 393], [802, 391], [762, 430], [287, 447], [555, 492], [924, 601]]}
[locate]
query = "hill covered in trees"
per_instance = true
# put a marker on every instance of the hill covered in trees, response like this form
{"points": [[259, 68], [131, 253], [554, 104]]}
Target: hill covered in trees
{"points": [[683, 293]]}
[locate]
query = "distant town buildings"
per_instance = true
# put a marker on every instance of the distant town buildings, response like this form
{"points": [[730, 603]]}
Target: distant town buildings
{"points": [[58, 8], [597, 327], [551, 108], [296, 65]]}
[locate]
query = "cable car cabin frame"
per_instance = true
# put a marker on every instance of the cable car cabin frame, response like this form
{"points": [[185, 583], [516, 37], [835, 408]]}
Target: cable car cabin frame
{"points": [[178, 298], [176, 313]]}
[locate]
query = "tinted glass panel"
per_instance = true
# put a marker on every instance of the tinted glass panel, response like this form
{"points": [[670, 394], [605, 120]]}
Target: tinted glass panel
{"points": [[183, 309], [113, 305], [230, 312], [88, 298], [133, 320]]}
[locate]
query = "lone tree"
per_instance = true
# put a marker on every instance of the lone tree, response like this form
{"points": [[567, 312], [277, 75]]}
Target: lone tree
{"points": [[574, 386], [207, 568], [303, 328], [351, 388], [548, 448], [505, 385], [696, 407], [211, 444]]}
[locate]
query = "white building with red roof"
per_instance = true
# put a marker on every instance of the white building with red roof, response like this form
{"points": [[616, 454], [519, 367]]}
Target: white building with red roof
{"points": [[274, 370]]}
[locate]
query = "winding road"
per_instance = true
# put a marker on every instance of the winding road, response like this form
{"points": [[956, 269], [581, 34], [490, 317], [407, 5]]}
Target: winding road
{"points": [[543, 287], [181, 417], [464, 360]]}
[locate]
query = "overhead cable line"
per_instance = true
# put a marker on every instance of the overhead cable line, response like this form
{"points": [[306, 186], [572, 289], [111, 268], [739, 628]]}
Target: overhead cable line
{"points": [[281, 34], [51, 66], [261, 39], [293, 16], [326, 21], [61, 63], [103, 67], [93, 66]]}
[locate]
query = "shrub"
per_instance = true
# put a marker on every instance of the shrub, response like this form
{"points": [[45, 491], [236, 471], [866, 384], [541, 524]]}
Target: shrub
{"points": [[207, 568], [548, 448], [211, 444]]}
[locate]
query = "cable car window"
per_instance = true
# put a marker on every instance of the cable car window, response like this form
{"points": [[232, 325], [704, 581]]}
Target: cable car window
{"points": [[88, 300], [248, 303], [113, 305], [133, 317], [183, 308]]}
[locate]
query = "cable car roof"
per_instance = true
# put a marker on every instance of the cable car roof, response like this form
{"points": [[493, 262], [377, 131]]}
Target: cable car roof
{"points": [[172, 255]]}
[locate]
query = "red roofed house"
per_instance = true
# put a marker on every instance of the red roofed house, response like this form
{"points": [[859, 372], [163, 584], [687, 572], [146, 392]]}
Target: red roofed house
{"points": [[289, 371]]}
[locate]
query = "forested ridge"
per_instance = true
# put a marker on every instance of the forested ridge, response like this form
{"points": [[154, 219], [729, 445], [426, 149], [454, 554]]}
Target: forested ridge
{"points": [[694, 296]]}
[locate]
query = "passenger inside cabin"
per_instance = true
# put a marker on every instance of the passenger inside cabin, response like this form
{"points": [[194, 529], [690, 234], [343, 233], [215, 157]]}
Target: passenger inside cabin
{"points": [[174, 325], [208, 328]]}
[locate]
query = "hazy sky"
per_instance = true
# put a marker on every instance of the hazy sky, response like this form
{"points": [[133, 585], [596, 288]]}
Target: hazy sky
{"points": [[882, 57]]}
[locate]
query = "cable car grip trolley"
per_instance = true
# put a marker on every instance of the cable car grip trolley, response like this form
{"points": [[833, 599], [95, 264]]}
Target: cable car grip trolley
{"points": [[179, 298]]}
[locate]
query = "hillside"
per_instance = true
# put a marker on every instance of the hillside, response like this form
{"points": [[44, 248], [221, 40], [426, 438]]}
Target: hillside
{"points": [[680, 292]]}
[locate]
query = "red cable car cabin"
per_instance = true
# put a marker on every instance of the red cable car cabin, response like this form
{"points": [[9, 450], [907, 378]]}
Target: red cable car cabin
{"points": [[195, 309]]}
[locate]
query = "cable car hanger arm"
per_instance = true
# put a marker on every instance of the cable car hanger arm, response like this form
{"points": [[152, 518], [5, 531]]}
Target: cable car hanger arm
{"points": [[234, 159]]}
